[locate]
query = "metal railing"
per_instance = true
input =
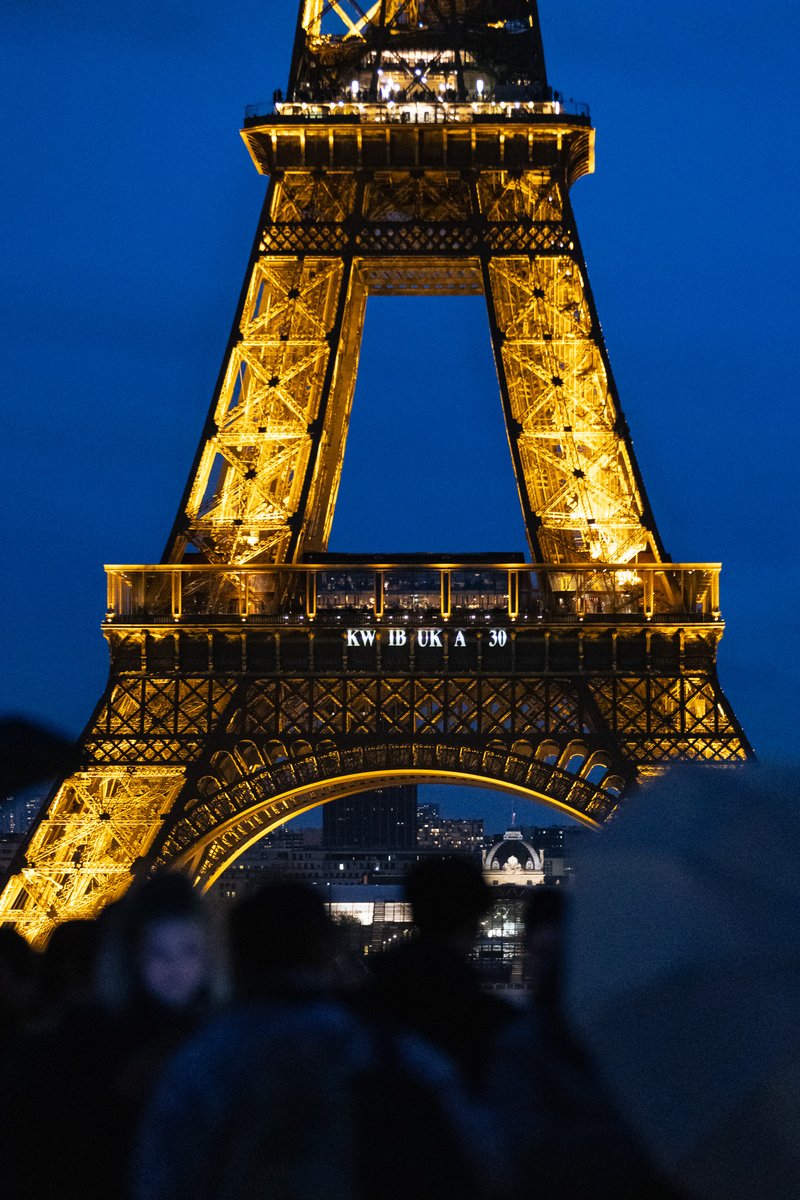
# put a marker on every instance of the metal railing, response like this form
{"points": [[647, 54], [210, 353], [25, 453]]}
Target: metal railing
{"points": [[433, 111], [358, 593]]}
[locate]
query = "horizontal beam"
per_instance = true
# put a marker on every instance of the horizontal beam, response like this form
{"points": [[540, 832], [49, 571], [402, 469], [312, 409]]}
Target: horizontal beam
{"points": [[461, 564]]}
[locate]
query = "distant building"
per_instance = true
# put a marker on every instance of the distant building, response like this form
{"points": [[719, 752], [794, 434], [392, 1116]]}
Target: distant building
{"points": [[500, 946], [17, 813], [314, 865], [550, 839], [384, 819], [513, 860], [372, 917], [9, 844], [284, 838], [435, 832], [557, 844]]}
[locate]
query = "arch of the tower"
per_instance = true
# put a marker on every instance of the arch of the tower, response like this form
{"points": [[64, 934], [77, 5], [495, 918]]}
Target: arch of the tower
{"points": [[105, 825], [252, 787]]}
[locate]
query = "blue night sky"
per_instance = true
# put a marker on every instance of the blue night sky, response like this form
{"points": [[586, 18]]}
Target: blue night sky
{"points": [[129, 205]]}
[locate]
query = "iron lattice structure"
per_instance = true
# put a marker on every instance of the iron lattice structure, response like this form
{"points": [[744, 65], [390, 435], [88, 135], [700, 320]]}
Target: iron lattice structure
{"points": [[418, 149]]}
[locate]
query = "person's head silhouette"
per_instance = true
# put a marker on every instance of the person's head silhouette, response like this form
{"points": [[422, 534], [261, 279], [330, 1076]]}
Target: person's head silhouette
{"points": [[448, 897]]}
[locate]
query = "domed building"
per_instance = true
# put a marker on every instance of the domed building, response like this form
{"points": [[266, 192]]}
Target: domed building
{"points": [[513, 860]]}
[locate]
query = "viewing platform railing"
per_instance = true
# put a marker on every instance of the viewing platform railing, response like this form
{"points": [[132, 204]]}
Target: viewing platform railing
{"points": [[457, 592], [429, 111]]}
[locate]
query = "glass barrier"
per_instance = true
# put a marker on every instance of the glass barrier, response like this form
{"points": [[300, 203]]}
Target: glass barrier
{"points": [[459, 592], [407, 590], [478, 591], [345, 590]]}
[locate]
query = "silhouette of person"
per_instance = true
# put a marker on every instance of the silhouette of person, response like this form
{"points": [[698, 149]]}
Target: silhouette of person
{"points": [[558, 1115], [87, 1075], [429, 984], [288, 1092]]}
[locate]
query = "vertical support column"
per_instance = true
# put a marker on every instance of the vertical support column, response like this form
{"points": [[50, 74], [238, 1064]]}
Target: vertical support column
{"points": [[245, 594], [444, 601], [513, 594], [647, 594], [311, 595], [577, 478], [265, 479], [715, 612], [580, 593], [177, 595]]}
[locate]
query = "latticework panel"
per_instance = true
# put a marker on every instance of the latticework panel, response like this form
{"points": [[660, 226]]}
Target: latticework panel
{"points": [[659, 720], [515, 195], [576, 465], [426, 276], [145, 719], [389, 40], [80, 857], [255, 786], [267, 476], [477, 707], [577, 470], [393, 196]]}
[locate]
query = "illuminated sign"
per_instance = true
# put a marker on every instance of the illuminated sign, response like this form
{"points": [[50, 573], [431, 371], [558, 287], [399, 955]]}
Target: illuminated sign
{"points": [[422, 637]]}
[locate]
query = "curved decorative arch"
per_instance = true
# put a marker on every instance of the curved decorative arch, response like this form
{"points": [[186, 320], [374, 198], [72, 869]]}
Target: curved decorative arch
{"points": [[221, 817], [506, 846], [548, 750]]}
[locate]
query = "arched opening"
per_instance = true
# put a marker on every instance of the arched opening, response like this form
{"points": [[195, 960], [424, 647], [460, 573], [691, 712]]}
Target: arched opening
{"points": [[362, 884], [295, 782]]}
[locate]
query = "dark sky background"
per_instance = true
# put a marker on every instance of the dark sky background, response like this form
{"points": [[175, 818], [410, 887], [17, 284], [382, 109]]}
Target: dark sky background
{"points": [[129, 204]]}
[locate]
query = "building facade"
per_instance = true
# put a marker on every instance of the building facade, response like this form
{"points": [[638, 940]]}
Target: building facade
{"points": [[383, 819]]}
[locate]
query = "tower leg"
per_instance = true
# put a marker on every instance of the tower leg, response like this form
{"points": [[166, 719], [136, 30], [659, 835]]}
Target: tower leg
{"points": [[579, 485], [266, 476]]}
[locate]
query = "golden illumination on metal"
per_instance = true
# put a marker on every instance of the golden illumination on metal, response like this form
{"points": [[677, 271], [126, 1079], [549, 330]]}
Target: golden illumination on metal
{"points": [[249, 485], [253, 676], [100, 822], [576, 466], [210, 857], [267, 476]]}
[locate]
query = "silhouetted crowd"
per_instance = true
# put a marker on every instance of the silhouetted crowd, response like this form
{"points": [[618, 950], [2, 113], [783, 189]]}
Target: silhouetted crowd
{"points": [[149, 1055]]}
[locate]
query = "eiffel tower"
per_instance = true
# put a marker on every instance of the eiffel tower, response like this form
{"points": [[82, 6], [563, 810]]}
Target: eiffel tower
{"points": [[419, 150]]}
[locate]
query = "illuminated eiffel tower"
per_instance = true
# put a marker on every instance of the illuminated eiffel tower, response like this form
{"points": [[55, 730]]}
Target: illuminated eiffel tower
{"points": [[419, 149]]}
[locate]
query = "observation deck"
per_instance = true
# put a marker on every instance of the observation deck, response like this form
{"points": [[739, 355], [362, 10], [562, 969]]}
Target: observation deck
{"points": [[466, 593], [434, 134]]}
